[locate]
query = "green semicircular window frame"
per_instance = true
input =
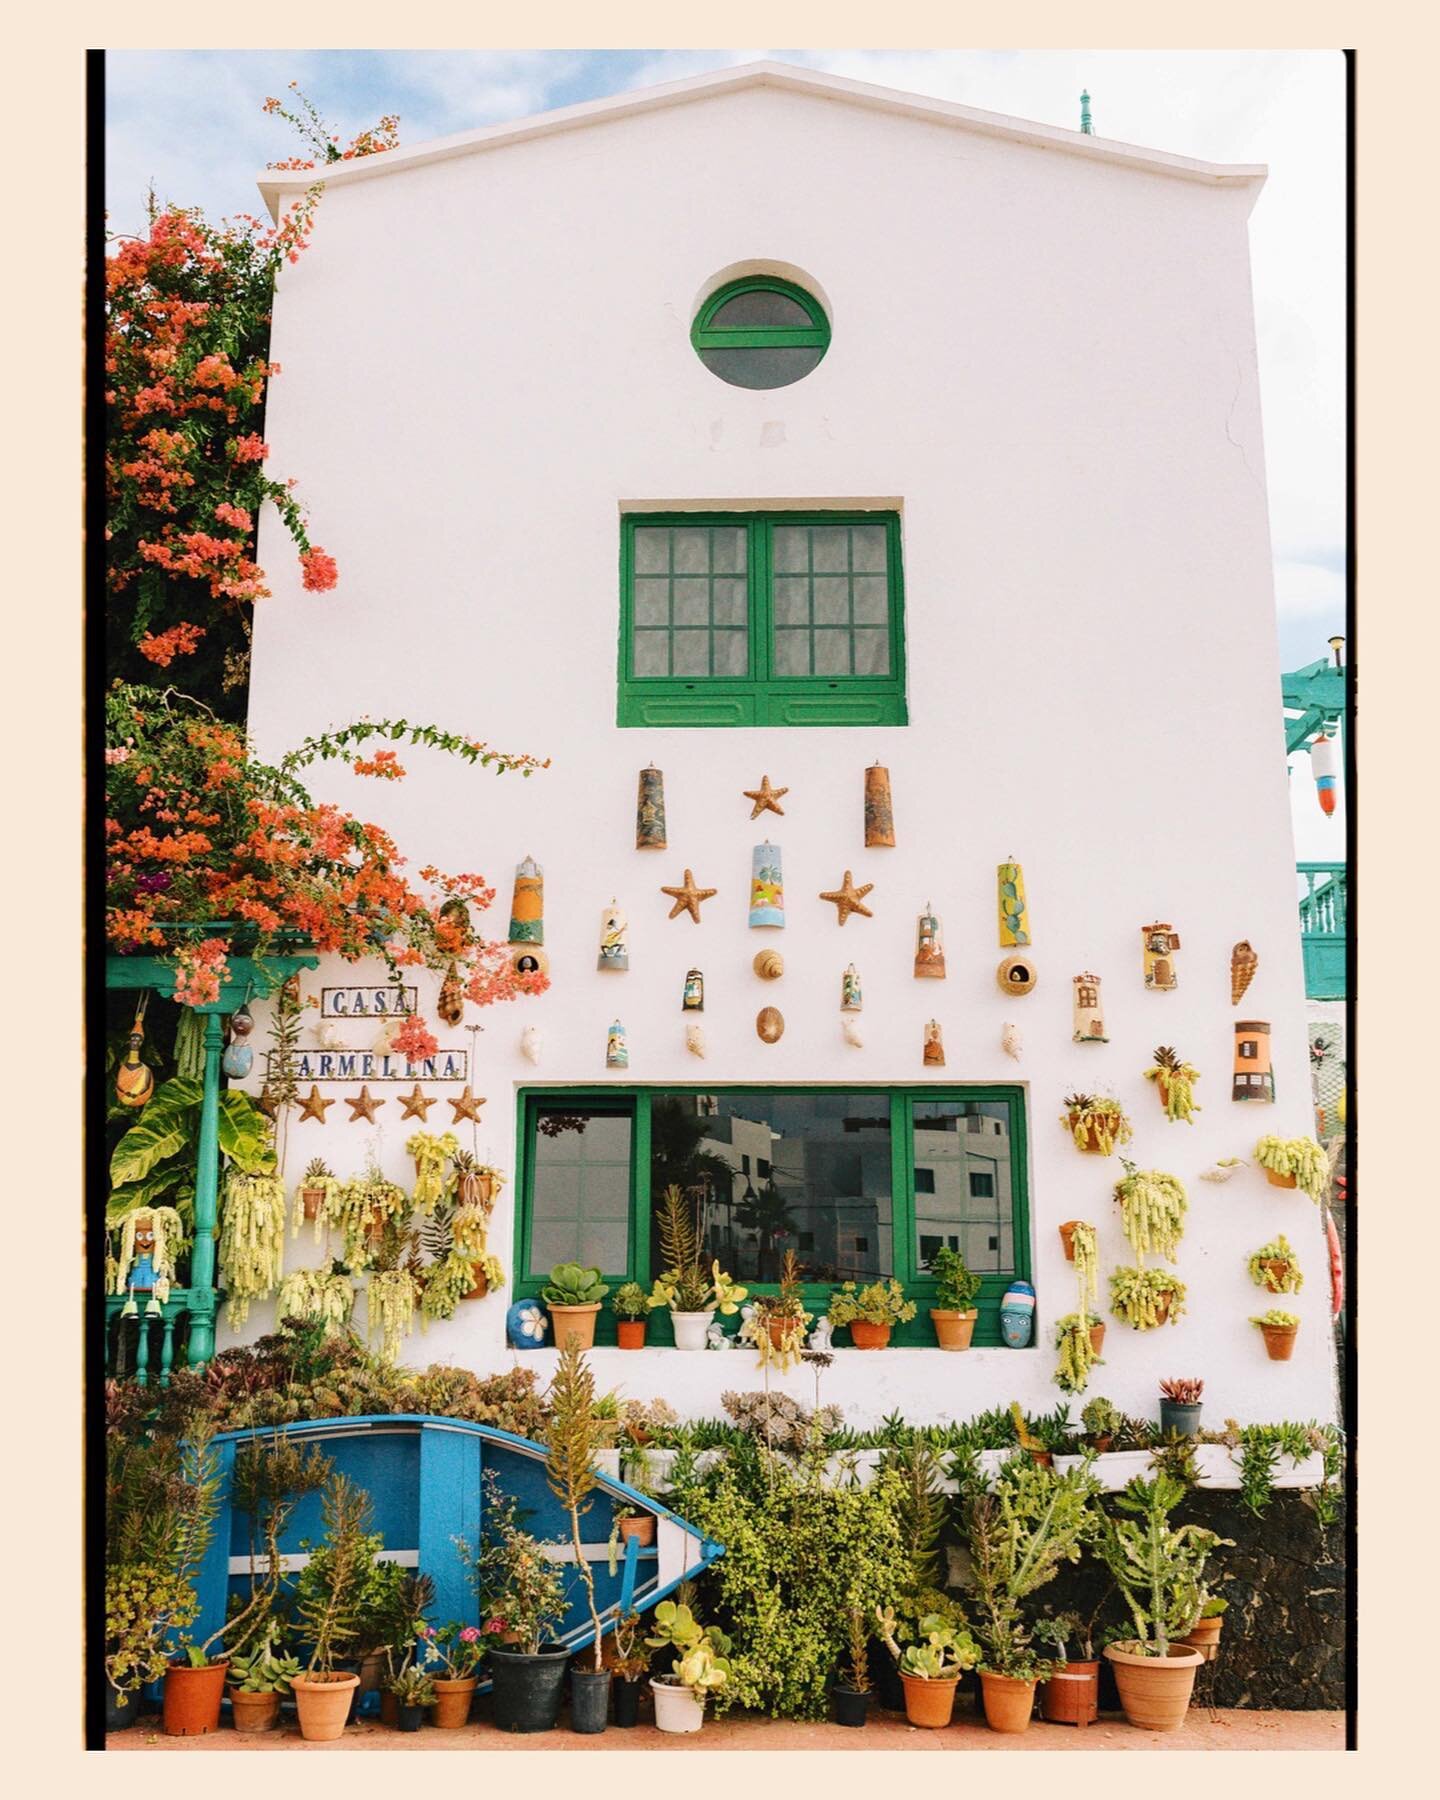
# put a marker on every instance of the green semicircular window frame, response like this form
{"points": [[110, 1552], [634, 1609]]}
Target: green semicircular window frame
{"points": [[761, 332]]}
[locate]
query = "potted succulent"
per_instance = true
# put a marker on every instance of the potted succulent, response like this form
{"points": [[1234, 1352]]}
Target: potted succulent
{"points": [[1075, 1340], [636, 1521], [1294, 1162], [1152, 1211], [522, 1597], [692, 1297], [362, 1208], [1096, 1122], [1070, 1694], [956, 1289], [259, 1679], [700, 1667], [1145, 1298], [328, 1599], [572, 1440], [776, 1325], [314, 1197], [1159, 1569], [1101, 1420], [931, 1667], [144, 1603], [431, 1152], [573, 1295], [1175, 1083], [1204, 1634], [414, 1693], [631, 1307], [456, 1650], [630, 1665], [1180, 1407], [1278, 1329], [851, 1693], [871, 1312], [1274, 1267]]}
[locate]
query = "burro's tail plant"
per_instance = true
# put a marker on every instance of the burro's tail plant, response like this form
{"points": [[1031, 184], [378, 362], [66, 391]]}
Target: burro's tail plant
{"points": [[1152, 1211], [1145, 1298], [1300, 1159], [569, 1463], [1275, 1267], [1158, 1567], [1175, 1082]]}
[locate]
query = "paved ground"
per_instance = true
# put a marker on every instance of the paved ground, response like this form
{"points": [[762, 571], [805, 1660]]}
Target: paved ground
{"points": [[1203, 1730]]}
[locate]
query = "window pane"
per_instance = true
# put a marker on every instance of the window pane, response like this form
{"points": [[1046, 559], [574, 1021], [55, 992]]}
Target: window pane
{"points": [[652, 601], [761, 308], [872, 600], [964, 1149], [761, 368], [692, 602], [652, 550], [790, 548], [727, 549], [580, 1192], [652, 653], [792, 601], [872, 653], [683, 594], [692, 653], [867, 549], [728, 604], [854, 608], [832, 600], [732, 653], [792, 652], [692, 551], [832, 652], [830, 548], [828, 1185]]}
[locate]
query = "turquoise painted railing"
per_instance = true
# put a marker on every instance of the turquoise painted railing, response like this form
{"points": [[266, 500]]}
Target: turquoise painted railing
{"points": [[1323, 928], [144, 1347]]}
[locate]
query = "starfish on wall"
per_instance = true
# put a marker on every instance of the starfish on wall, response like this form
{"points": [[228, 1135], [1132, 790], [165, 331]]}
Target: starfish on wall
{"points": [[416, 1105], [363, 1105], [766, 798], [467, 1106], [688, 897], [314, 1104], [848, 898]]}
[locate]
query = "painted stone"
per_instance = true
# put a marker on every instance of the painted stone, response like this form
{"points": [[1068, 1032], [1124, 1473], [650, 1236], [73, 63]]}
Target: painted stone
{"points": [[695, 1039], [1017, 1314], [650, 811], [1014, 913], [614, 940], [769, 1025], [1089, 1020], [617, 1053], [929, 947], [769, 965], [850, 996], [767, 886], [526, 1325], [1254, 1079], [934, 1052], [1016, 975], [879, 815], [1243, 964], [527, 905], [1159, 944]]}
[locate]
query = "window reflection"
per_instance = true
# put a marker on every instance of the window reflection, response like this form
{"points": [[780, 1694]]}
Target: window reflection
{"points": [[962, 1183], [580, 1194]]}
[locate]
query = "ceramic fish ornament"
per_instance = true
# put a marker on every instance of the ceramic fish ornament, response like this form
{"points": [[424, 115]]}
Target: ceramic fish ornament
{"points": [[135, 1080], [695, 1039], [1011, 1042], [1243, 964]]}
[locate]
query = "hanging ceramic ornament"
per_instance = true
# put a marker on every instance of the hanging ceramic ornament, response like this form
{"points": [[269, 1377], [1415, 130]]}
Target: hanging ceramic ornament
{"points": [[767, 886], [1017, 1314], [934, 1053], [238, 1057], [695, 1039], [769, 1025], [1014, 913], [769, 965], [614, 940], [1254, 1079], [650, 811], [692, 996], [1089, 1021], [1159, 944], [1016, 975], [1011, 1041], [879, 816], [531, 1043], [929, 947], [529, 959], [450, 1001], [135, 1080], [1324, 765], [766, 798], [456, 915], [617, 1055], [1243, 964], [850, 1031], [527, 906], [850, 996]]}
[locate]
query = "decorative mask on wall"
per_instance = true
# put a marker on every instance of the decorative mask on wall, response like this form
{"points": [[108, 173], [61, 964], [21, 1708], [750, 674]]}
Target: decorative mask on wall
{"points": [[1017, 1314], [769, 1025], [769, 965], [527, 907], [1011, 1041], [614, 940], [531, 1043], [1159, 946], [934, 1054], [526, 1325], [850, 996], [1089, 1020], [617, 1054], [767, 886], [929, 947], [1243, 964], [1254, 1079], [692, 998], [650, 811], [1016, 975], [135, 1080], [879, 815], [695, 1038], [1014, 913]]}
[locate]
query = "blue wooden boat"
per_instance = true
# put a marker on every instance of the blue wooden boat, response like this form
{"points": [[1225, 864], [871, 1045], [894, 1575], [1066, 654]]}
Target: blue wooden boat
{"points": [[423, 1476]]}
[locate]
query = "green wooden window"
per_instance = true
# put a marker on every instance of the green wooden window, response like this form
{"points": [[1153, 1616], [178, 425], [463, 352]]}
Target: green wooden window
{"points": [[761, 619], [860, 1182], [761, 332]]}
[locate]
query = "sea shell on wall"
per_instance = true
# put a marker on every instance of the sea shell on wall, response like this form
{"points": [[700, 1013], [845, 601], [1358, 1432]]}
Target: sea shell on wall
{"points": [[1011, 1042], [1016, 975], [450, 1003], [530, 1043], [769, 1024], [850, 1031], [769, 965], [1243, 964], [1224, 1168], [695, 1038]]}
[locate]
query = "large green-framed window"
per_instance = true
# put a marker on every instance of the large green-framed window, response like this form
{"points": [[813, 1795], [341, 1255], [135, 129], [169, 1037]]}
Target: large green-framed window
{"points": [[761, 619], [859, 1182]]}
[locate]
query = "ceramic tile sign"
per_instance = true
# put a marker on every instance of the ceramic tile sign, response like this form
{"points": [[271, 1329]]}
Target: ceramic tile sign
{"points": [[650, 811], [374, 1065], [367, 1002], [1014, 913], [767, 886], [1253, 1079], [929, 947], [527, 908], [1089, 1019], [614, 940], [879, 816], [1159, 944]]}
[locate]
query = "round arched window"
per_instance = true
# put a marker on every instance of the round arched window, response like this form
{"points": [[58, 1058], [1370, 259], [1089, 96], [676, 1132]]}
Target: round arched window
{"points": [[761, 332]]}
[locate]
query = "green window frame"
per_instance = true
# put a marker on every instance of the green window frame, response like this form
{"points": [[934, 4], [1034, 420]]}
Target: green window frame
{"points": [[919, 1286], [797, 330], [764, 618]]}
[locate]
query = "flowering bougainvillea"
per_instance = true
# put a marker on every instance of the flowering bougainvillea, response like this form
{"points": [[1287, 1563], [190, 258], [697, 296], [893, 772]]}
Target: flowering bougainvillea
{"points": [[325, 143]]}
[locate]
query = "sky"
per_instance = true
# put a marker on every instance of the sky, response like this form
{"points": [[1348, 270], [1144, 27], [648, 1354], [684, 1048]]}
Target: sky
{"points": [[190, 123]]}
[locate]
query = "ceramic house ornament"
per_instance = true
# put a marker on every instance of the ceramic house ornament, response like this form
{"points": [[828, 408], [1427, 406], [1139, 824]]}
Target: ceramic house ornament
{"points": [[695, 1038], [851, 1000], [1243, 964], [933, 1055], [769, 965], [1253, 1079], [527, 905], [1014, 913], [1089, 1020], [769, 1025], [767, 886], [879, 816], [614, 940], [650, 811], [617, 1054], [692, 996], [1016, 975], [929, 947], [1159, 944], [1017, 1314]]}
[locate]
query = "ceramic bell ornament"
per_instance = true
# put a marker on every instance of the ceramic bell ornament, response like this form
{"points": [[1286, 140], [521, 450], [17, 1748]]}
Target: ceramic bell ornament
{"points": [[767, 887], [239, 1057], [934, 1052], [650, 811], [1089, 1020], [1017, 1315], [695, 1038], [527, 904], [692, 995], [617, 1054], [135, 1080], [526, 1325], [1158, 946], [530, 1043], [879, 815], [929, 947], [614, 940], [1254, 1079]]}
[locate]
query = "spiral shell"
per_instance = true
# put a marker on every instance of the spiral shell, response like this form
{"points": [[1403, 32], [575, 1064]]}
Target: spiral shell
{"points": [[769, 1024], [769, 965]]}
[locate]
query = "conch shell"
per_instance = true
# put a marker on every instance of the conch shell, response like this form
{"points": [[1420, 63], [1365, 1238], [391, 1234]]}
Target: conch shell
{"points": [[450, 1004], [1010, 1041], [850, 1030], [1243, 964], [769, 1024], [769, 965], [695, 1038]]}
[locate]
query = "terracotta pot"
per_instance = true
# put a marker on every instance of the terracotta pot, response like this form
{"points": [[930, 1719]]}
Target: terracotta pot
{"points": [[253, 1712], [1067, 1238], [1097, 1337], [1275, 1272], [1043, 1459], [192, 1698], [1090, 1136], [1205, 1637], [480, 1286], [1102, 1441], [1072, 1695], [390, 1710], [1154, 1690], [371, 1672], [866, 1336], [630, 1334], [452, 1703], [322, 1704], [1009, 1701], [777, 1329], [929, 1703], [575, 1322], [1285, 1181], [311, 1199], [1162, 1309], [642, 1528], [954, 1329], [377, 1225], [1279, 1341]]}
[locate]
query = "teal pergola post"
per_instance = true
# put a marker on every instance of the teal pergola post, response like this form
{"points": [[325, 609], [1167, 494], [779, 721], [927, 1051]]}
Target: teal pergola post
{"points": [[201, 1345]]}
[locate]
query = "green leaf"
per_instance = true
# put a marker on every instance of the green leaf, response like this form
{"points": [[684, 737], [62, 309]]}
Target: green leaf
{"points": [[163, 1128], [245, 1134]]}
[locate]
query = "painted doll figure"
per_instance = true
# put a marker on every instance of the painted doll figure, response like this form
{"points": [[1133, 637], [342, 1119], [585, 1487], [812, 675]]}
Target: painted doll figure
{"points": [[150, 1239]]}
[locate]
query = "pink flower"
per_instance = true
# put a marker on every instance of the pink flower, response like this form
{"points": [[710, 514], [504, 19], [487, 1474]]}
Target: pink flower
{"points": [[470, 1634], [319, 571]]}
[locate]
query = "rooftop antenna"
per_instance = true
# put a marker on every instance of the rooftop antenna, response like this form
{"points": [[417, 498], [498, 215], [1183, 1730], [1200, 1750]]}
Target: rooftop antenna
{"points": [[1085, 125]]}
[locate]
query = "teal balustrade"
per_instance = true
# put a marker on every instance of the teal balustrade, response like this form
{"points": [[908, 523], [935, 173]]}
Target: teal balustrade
{"points": [[1323, 928]]}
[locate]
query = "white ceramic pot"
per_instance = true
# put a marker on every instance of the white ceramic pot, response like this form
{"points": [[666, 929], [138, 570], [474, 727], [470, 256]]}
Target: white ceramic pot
{"points": [[677, 1708], [690, 1329]]}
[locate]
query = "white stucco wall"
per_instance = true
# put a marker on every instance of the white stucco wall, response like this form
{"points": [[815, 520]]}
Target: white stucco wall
{"points": [[1046, 363]]}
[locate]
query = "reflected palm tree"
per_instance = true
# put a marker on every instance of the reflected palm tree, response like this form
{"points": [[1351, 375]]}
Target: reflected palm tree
{"points": [[767, 1215]]}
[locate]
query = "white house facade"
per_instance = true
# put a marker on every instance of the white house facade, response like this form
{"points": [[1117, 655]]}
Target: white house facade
{"points": [[1005, 536]]}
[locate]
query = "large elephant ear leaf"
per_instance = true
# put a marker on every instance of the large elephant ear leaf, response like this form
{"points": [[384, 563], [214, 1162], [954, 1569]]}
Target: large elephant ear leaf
{"points": [[245, 1134], [168, 1122]]}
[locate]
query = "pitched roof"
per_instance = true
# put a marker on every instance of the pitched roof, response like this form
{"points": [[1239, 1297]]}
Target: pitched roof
{"points": [[279, 186]]}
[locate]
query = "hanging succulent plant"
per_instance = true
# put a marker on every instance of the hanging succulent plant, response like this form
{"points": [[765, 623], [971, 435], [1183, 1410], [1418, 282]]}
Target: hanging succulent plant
{"points": [[252, 1241]]}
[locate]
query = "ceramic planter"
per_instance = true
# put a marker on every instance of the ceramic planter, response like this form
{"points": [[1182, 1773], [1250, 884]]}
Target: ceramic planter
{"points": [[480, 1286], [954, 1330], [1277, 1180], [627, 1704], [866, 1336], [677, 1709], [1009, 1701], [690, 1329], [1205, 1637], [1089, 1139], [1154, 1690], [390, 1710], [574, 1323], [192, 1698], [452, 1703], [1067, 1238], [589, 1701], [642, 1528], [1072, 1695], [253, 1712], [1097, 1337], [322, 1704], [929, 1703], [630, 1334], [852, 1708], [311, 1199], [528, 1689], [1183, 1420], [1279, 1341]]}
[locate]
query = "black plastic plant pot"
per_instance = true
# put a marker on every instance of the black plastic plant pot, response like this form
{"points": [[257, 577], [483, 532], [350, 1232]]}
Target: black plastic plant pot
{"points": [[1184, 1421], [889, 1689], [589, 1700], [627, 1703], [410, 1718], [528, 1689], [122, 1707], [851, 1706]]}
